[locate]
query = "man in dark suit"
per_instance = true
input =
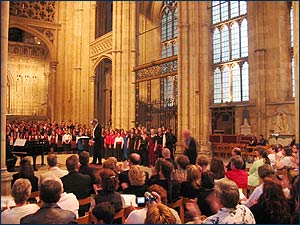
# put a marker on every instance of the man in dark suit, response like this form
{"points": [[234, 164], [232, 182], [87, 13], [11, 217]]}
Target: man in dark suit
{"points": [[77, 183], [74, 182], [98, 141], [190, 148], [50, 212]]}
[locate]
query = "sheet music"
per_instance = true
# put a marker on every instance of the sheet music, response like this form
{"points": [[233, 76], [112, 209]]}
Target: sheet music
{"points": [[128, 200], [20, 142]]}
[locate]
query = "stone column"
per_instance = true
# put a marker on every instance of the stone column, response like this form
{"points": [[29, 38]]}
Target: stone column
{"points": [[91, 100], [123, 61], [296, 69], [51, 90], [5, 176], [193, 71]]}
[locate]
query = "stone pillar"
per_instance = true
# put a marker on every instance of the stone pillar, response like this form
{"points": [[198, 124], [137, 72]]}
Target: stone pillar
{"points": [[51, 90], [296, 55], [91, 100], [257, 60], [5, 176], [124, 59], [193, 71]]}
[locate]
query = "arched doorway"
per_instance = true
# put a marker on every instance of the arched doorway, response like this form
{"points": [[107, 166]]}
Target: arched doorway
{"points": [[103, 92]]}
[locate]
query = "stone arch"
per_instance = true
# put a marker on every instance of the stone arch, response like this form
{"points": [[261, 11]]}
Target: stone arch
{"points": [[98, 60], [45, 40]]}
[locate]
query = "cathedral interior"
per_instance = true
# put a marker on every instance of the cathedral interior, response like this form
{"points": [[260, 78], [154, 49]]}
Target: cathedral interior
{"points": [[213, 67]]}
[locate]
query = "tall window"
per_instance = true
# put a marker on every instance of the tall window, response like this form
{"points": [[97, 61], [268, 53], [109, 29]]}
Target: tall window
{"points": [[169, 46], [292, 50], [230, 51]]}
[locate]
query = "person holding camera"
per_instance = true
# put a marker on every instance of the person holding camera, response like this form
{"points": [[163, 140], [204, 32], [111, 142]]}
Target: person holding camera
{"points": [[155, 195]]}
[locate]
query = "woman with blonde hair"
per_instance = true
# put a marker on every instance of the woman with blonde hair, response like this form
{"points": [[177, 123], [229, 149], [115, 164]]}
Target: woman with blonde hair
{"points": [[137, 179], [159, 214], [190, 188]]}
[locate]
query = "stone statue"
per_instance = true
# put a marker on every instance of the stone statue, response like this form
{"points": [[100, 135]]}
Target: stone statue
{"points": [[281, 125], [245, 127]]}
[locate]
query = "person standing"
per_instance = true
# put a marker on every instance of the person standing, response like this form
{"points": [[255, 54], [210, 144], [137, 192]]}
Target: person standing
{"points": [[97, 139], [190, 148]]}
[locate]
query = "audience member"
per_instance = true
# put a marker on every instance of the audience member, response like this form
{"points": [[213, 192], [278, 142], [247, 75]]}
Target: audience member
{"points": [[217, 167], [165, 180], [230, 212], [20, 191], [294, 200], [53, 168], [166, 154], [74, 182], [138, 216], [206, 195], [159, 214], [253, 179], [272, 206], [85, 167], [264, 171], [262, 141], [155, 170], [237, 151], [182, 162], [137, 179], [26, 171], [50, 212], [202, 162], [236, 173], [103, 213], [190, 188], [108, 193], [287, 160], [67, 201]]}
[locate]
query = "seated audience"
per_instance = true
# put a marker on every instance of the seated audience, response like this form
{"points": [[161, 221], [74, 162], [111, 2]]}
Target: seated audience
{"points": [[190, 188], [261, 140], [138, 216], [253, 178], [67, 201], [159, 214], [137, 179], [155, 170], [53, 169], [182, 162], [165, 180], [294, 200], [272, 206], [237, 151], [236, 173], [50, 212], [103, 213], [20, 191], [108, 192], [202, 162], [229, 210], [272, 155], [217, 167], [26, 171], [264, 171]]}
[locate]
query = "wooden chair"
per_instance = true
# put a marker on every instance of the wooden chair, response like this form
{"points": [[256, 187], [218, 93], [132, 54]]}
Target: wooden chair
{"points": [[85, 201], [178, 205], [84, 219], [35, 194], [120, 215]]}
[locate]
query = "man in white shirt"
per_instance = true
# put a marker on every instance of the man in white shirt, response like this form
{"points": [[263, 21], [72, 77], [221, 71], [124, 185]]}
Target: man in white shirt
{"points": [[53, 168], [21, 191]]}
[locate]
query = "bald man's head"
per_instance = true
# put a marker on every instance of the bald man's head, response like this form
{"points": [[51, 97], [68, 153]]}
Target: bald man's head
{"points": [[134, 159]]}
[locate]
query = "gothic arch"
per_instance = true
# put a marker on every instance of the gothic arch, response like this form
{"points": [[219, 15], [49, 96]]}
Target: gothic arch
{"points": [[44, 39], [99, 59]]}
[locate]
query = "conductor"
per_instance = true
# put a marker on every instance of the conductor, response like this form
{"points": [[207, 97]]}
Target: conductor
{"points": [[97, 138]]}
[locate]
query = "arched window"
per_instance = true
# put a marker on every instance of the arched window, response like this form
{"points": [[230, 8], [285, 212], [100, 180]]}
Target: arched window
{"points": [[169, 46], [230, 51]]}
